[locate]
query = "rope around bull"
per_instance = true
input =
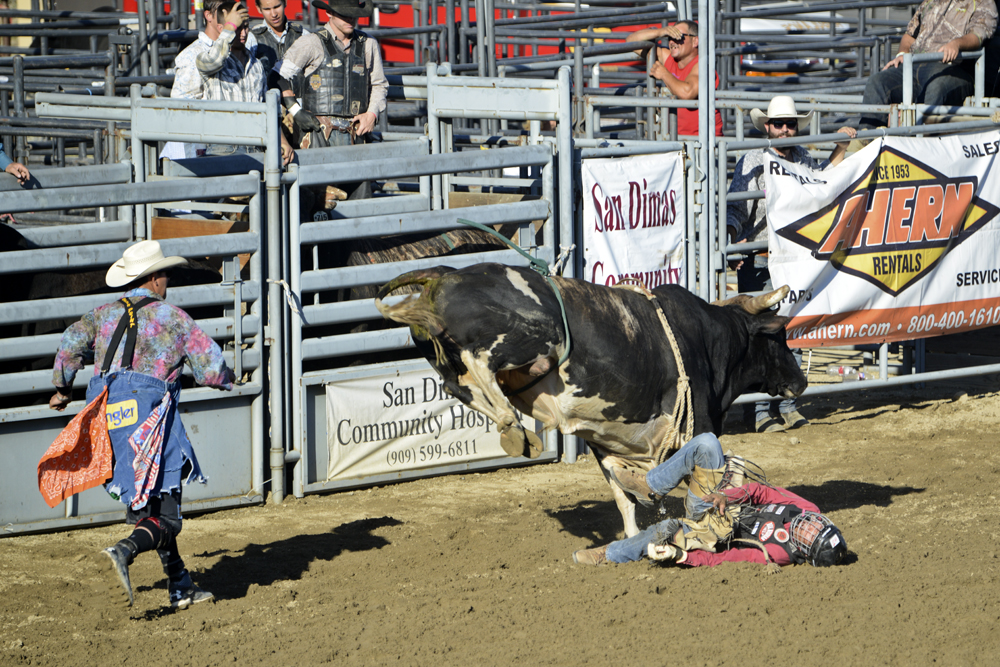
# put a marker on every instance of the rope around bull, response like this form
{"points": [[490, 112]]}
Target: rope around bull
{"points": [[684, 404]]}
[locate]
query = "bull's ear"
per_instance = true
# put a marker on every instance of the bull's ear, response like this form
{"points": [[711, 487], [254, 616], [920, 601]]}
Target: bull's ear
{"points": [[772, 324]]}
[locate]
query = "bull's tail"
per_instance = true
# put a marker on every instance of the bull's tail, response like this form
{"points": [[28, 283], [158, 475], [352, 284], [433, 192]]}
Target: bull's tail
{"points": [[417, 311]]}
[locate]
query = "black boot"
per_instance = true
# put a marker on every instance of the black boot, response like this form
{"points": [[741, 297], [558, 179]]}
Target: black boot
{"points": [[122, 555]]}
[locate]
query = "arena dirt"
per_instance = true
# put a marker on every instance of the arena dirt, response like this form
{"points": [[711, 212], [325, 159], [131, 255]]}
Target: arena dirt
{"points": [[476, 569]]}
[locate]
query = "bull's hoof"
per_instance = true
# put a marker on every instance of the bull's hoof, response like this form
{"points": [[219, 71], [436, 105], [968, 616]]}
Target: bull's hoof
{"points": [[535, 445], [512, 440], [517, 441]]}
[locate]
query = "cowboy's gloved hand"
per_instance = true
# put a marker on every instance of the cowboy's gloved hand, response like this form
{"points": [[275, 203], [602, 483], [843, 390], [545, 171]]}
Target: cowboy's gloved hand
{"points": [[306, 122]]}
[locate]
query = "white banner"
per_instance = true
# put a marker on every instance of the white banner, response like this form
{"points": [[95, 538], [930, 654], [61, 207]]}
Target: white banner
{"points": [[634, 220], [897, 242], [403, 421]]}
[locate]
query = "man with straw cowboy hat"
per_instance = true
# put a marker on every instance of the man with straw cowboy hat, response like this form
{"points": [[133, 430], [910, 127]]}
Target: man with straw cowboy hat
{"points": [[747, 221], [139, 345]]}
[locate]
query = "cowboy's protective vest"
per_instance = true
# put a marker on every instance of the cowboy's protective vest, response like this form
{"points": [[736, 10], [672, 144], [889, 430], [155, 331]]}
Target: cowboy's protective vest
{"points": [[269, 49], [766, 524], [339, 86]]}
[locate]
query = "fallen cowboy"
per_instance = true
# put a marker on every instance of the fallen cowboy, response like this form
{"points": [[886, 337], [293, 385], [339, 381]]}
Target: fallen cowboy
{"points": [[736, 520], [634, 373]]}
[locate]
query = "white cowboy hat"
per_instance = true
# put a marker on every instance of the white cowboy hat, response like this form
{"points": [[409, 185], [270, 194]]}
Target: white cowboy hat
{"points": [[781, 106], [141, 259]]}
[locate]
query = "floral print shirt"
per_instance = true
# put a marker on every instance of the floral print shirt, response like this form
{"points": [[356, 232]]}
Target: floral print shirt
{"points": [[167, 336]]}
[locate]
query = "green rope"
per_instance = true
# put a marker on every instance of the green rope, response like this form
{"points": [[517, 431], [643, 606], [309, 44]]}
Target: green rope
{"points": [[542, 267]]}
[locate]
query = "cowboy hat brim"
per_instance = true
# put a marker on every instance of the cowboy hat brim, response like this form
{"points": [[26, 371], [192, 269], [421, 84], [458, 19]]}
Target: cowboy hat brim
{"points": [[758, 118], [118, 278], [348, 8]]}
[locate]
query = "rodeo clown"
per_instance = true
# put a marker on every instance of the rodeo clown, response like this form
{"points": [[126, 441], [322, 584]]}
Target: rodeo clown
{"points": [[140, 344], [727, 519]]}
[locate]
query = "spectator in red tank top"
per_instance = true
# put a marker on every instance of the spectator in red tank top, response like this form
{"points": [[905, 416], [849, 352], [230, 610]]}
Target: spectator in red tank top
{"points": [[677, 67]]}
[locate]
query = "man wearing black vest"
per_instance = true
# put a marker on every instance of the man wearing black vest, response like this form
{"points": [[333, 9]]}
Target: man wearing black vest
{"points": [[344, 86], [727, 520], [274, 37]]}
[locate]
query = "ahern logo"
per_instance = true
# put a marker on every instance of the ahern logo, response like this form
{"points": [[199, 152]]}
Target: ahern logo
{"points": [[895, 222]]}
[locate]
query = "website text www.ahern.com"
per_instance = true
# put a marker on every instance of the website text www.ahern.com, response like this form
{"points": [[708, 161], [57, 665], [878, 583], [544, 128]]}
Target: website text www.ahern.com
{"points": [[944, 321]]}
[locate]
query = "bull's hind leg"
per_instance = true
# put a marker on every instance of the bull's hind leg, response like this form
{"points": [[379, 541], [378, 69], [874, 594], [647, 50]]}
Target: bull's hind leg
{"points": [[488, 399]]}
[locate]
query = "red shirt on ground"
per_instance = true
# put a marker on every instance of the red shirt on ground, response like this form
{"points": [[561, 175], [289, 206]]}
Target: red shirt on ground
{"points": [[759, 495]]}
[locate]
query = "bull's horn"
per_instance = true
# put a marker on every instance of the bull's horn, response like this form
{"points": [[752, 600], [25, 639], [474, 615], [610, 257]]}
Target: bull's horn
{"points": [[726, 302], [759, 304]]}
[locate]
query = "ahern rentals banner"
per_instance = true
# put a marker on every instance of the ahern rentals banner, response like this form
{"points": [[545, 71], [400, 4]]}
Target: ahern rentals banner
{"points": [[403, 421], [634, 219], [900, 241]]}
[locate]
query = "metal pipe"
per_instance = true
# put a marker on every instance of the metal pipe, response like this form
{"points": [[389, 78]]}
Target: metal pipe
{"points": [[491, 46], [481, 37], [295, 357], [272, 180], [143, 37], [706, 125]]}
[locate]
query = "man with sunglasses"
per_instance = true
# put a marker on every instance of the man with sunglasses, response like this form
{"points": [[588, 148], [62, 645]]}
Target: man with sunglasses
{"points": [[747, 221], [140, 344], [676, 67]]}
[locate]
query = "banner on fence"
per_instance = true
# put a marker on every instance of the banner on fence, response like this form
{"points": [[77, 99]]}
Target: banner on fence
{"points": [[897, 242], [633, 219], [403, 421]]}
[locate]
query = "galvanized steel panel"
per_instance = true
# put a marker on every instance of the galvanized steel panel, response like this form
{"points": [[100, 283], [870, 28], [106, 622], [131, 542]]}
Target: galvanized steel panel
{"points": [[428, 221], [373, 274], [219, 430], [448, 163], [75, 306]]}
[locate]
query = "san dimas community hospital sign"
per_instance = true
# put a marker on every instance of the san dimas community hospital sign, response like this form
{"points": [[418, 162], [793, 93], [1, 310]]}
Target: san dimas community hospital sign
{"points": [[897, 242]]}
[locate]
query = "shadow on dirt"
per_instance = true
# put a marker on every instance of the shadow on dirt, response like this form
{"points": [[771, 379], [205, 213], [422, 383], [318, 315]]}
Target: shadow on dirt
{"points": [[285, 560], [844, 494], [601, 522]]}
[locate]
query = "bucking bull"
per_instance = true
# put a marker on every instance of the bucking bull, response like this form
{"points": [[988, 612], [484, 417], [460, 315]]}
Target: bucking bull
{"points": [[496, 335]]}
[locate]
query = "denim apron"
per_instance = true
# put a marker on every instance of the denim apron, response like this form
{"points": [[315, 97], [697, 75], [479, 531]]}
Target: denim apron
{"points": [[132, 397]]}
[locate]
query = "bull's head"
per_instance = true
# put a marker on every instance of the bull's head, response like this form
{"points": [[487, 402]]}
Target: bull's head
{"points": [[777, 370]]}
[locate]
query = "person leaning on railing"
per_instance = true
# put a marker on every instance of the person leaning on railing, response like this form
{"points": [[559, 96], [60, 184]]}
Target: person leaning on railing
{"points": [[232, 73], [947, 27], [676, 67], [15, 169]]}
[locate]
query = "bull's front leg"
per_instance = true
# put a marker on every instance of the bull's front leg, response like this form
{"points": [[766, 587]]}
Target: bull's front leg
{"points": [[625, 504], [488, 398]]}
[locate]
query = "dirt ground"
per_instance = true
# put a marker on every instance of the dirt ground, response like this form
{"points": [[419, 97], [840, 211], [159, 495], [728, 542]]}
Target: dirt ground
{"points": [[476, 569]]}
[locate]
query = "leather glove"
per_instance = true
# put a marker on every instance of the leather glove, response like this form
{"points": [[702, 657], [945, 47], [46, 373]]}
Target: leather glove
{"points": [[304, 120]]}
